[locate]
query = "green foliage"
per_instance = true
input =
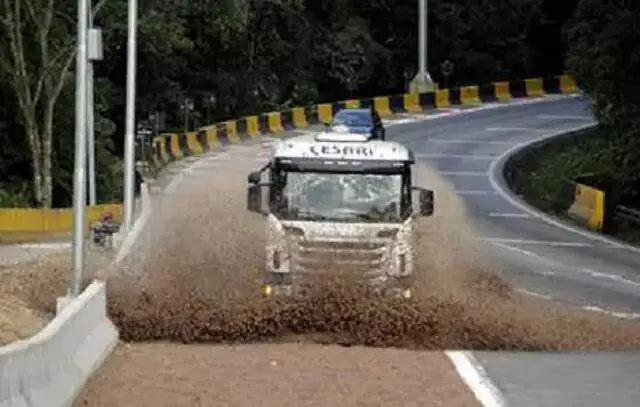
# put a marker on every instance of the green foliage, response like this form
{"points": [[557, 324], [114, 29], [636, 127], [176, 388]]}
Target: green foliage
{"points": [[253, 56], [604, 56], [603, 43], [545, 177], [15, 195]]}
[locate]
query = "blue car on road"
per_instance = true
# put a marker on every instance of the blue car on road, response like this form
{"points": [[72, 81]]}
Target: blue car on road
{"points": [[358, 121]]}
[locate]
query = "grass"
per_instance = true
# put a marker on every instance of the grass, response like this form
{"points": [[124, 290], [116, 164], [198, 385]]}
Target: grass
{"points": [[544, 177]]}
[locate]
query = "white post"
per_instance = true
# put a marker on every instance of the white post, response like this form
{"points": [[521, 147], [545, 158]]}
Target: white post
{"points": [[422, 82], [422, 38], [129, 144], [91, 143], [79, 176]]}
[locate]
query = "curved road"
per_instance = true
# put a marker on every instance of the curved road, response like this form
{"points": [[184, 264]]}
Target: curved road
{"points": [[544, 257]]}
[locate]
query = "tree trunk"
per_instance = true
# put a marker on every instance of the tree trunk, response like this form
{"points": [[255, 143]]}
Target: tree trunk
{"points": [[36, 163], [47, 138]]}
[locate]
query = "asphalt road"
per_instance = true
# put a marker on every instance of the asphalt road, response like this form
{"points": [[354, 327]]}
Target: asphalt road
{"points": [[10, 255], [542, 258]]}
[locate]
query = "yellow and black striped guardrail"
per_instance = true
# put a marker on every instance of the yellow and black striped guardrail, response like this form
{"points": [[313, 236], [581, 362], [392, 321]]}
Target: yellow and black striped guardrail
{"points": [[172, 147]]}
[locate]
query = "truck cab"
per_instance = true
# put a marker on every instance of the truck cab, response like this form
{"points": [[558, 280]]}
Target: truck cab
{"points": [[336, 201]]}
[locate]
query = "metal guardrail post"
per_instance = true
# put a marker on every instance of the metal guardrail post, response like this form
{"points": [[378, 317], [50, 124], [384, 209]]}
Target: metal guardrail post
{"points": [[629, 214]]}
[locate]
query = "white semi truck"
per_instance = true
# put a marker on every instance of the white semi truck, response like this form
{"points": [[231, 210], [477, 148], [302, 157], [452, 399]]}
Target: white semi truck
{"points": [[338, 201]]}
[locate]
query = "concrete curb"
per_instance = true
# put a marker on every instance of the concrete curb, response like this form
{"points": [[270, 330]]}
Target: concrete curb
{"points": [[51, 368]]}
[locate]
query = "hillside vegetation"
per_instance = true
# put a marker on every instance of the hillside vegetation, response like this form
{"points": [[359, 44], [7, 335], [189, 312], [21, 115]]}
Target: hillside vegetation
{"points": [[604, 56], [237, 57]]}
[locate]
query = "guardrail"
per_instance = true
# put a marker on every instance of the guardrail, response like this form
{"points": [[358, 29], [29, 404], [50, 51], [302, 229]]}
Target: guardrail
{"points": [[628, 214], [588, 206], [26, 221], [175, 146], [51, 368], [598, 211]]}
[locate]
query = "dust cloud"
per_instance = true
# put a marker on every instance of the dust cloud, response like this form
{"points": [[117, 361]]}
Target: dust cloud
{"points": [[195, 277]]}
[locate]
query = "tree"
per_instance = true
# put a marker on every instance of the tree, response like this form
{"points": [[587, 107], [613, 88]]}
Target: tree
{"points": [[603, 42], [250, 56], [37, 58]]}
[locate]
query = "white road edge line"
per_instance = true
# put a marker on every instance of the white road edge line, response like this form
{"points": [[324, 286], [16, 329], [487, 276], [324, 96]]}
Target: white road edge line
{"points": [[495, 173], [591, 308], [477, 192], [586, 271], [498, 240], [562, 117], [533, 294], [444, 141], [508, 215], [476, 378], [44, 246], [615, 314], [515, 129], [464, 173], [471, 157]]}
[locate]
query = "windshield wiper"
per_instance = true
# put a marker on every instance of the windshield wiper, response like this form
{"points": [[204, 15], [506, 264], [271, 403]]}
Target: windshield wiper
{"points": [[369, 216], [306, 215]]}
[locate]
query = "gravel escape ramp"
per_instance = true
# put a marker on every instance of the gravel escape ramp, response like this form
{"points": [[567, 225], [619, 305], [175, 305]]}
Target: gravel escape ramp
{"points": [[197, 331]]}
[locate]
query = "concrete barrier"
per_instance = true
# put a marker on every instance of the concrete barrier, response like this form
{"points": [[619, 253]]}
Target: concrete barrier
{"points": [[588, 207], [51, 368], [173, 147], [49, 221]]}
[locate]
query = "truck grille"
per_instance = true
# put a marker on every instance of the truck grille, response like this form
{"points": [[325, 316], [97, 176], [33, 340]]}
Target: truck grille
{"points": [[363, 258]]}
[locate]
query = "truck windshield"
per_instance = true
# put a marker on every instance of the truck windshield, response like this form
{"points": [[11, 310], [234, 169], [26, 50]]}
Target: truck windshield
{"points": [[337, 197]]}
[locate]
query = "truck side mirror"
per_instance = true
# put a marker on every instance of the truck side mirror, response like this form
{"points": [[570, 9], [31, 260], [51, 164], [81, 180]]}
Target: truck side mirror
{"points": [[255, 177], [255, 201], [425, 201]]}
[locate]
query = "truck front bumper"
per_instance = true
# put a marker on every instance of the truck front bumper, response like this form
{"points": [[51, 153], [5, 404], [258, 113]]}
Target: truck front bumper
{"points": [[295, 284]]}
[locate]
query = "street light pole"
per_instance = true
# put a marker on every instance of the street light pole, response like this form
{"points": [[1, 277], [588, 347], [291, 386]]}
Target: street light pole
{"points": [[422, 39], [129, 142], [91, 143], [79, 176], [422, 81]]}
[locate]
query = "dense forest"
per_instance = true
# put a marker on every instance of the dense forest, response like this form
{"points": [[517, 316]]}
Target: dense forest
{"points": [[220, 59]]}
